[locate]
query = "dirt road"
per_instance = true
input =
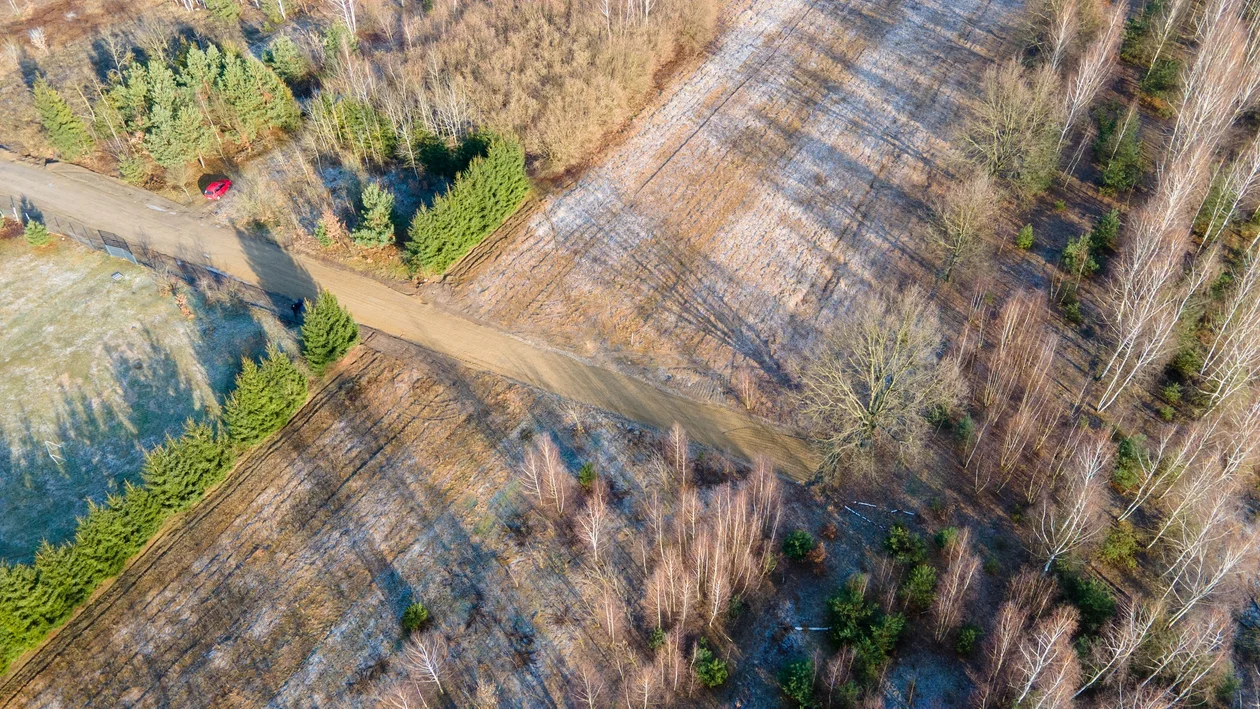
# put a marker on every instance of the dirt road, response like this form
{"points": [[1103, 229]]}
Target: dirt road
{"points": [[146, 221]]}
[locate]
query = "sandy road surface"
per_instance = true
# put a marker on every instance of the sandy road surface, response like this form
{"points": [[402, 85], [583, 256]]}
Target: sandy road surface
{"points": [[146, 221], [790, 170]]}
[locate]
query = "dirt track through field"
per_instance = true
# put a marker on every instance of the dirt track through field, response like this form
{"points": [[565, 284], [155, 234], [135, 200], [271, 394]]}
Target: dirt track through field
{"points": [[789, 172], [146, 221]]}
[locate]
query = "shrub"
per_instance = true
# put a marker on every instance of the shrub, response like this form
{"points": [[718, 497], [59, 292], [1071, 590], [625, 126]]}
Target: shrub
{"points": [[415, 617], [656, 639], [376, 224], [798, 545], [586, 475], [905, 546], [1128, 452], [266, 396], [134, 170], [321, 234], [438, 157], [1091, 597], [965, 431], [226, 10], [945, 536], [482, 197], [857, 622], [65, 131], [1118, 149], [286, 59], [1162, 79], [328, 332], [797, 680], [354, 127], [710, 669], [1106, 232], [35, 233], [968, 636], [1078, 256], [1171, 393], [1024, 240], [1187, 362], [919, 590], [1119, 547]]}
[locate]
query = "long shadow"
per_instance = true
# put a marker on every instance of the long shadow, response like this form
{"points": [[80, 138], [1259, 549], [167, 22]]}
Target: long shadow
{"points": [[283, 280], [90, 447]]}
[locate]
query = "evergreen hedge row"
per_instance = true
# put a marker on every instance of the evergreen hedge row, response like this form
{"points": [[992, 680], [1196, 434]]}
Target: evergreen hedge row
{"points": [[39, 596], [484, 195]]}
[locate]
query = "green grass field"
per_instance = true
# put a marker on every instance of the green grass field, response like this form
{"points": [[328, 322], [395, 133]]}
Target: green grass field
{"points": [[93, 371]]}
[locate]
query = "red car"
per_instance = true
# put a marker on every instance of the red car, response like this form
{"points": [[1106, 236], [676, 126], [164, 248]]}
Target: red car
{"points": [[217, 189]]}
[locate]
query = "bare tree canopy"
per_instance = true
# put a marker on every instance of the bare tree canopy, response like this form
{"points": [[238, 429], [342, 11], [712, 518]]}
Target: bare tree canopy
{"points": [[869, 390]]}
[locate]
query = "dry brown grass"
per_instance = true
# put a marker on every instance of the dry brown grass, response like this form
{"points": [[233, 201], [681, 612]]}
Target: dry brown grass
{"points": [[556, 73]]}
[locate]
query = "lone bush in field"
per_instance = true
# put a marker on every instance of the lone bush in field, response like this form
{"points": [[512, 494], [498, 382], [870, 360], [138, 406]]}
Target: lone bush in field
{"points": [[376, 227], [482, 197], [266, 396], [1025, 239], [328, 332], [35, 233], [798, 545], [65, 131], [415, 617], [39, 596], [880, 374]]}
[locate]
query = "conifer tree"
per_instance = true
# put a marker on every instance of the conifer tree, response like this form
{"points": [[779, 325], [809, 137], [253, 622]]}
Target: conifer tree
{"points": [[483, 196], [36, 233], [286, 59], [376, 228], [328, 332], [65, 131], [266, 396]]}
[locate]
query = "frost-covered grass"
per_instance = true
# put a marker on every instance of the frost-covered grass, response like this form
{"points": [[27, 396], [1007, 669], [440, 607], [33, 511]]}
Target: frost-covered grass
{"points": [[92, 372]]}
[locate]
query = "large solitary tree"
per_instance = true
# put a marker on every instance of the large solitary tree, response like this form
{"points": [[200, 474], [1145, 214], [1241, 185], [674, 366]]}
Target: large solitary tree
{"points": [[869, 390], [328, 332]]}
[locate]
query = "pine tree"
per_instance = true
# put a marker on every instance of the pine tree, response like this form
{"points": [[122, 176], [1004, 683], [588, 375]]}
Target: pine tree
{"points": [[226, 10], [36, 233], [266, 396], [483, 196], [376, 228], [286, 59], [328, 332], [66, 131]]}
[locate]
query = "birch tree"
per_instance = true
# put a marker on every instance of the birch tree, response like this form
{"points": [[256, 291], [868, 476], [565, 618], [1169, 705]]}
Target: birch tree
{"points": [[1095, 66], [1070, 520], [961, 567]]}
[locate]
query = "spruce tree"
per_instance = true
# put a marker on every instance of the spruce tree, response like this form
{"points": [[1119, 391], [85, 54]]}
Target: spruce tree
{"points": [[328, 332], [65, 131], [266, 396], [485, 194], [36, 233], [376, 227]]}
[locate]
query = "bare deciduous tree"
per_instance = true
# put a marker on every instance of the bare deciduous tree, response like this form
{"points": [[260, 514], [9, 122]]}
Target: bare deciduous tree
{"points": [[544, 476], [868, 391], [425, 659], [590, 686], [677, 454], [961, 568], [1067, 521], [965, 219], [1233, 359], [1113, 653], [1013, 130], [837, 671], [999, 654], [594, 522], [1047, 670], [1096, 65], [1189, 654], [346, 11]]}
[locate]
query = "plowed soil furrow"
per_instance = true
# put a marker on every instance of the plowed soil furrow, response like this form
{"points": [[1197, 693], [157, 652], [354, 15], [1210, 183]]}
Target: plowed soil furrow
{"points": [[788, 171]]}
